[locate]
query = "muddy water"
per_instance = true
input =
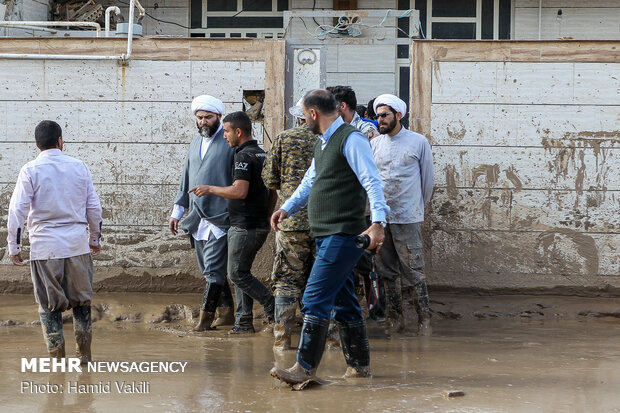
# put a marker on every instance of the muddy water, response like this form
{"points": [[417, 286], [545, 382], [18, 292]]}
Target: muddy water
{"points": [[507, 354]]}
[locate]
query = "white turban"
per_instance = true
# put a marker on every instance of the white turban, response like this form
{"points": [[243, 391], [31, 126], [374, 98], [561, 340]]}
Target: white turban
{"points": [[296, 110], [207, 103], [392, 101]]}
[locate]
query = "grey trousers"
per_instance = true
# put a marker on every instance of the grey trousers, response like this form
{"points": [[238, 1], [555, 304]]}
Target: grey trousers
{"points": [[63, 283], [212, 255], [401, 264]]}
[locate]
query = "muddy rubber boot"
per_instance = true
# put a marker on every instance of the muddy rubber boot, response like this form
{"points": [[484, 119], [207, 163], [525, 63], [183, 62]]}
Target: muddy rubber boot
{"points": [[82, 327], [209, 304], [309, 353], [421, 304], [333, 340], [245, 325], [424, 323], [51, 324], [396, 324], [204, 322], [286, 307], [224, 316], [355, 348]]}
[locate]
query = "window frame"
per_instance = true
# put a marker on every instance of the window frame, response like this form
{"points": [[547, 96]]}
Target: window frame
{"points": [[263, 33]]}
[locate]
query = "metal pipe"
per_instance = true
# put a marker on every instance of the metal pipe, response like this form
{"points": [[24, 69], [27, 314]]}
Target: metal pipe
{"points": [[55, 57], [539, 18], [41, 29], [127, 56], [57, 24], [117, 11]]}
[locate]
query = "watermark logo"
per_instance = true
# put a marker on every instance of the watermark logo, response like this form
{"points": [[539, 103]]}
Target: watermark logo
{"points": [[72, 364]]}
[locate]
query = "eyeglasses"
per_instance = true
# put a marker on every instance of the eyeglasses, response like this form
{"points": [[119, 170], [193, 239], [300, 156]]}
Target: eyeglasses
{"points": [[382, 115]]}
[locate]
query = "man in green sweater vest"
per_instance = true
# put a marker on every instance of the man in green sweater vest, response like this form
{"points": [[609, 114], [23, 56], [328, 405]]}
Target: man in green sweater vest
{"points": [[334, 188]]}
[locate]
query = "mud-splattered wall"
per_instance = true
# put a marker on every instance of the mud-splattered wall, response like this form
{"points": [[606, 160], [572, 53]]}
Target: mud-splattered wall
{"points": [[131, 125], [526, 139]]}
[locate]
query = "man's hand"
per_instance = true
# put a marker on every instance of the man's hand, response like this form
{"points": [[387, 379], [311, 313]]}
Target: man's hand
{"points": [[17, 259], [95, 250], [200, 190], [173, 224], [377, 236], [278, 217]]}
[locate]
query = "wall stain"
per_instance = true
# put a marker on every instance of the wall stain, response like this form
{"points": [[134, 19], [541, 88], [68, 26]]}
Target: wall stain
{"points": [[457, 134], [565, 251], [490, 171], [512, 177], [451, 177]]}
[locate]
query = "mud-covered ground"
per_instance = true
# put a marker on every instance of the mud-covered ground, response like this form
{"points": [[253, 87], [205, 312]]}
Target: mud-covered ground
{"points": [[506, 353]]}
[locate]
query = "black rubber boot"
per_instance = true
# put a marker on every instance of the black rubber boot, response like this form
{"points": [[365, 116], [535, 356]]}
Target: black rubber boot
{"points": [[82, 327], [51, 324], [207, 309], [286, 308], [309, 352], [355, 348]]}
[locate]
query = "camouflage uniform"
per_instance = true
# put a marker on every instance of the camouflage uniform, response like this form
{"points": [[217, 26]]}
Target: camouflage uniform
{"points": [[286, 163]]}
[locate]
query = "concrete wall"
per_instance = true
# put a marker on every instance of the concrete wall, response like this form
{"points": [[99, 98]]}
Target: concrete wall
{"points": [[527, 168], [131, 125], [591, 20]]}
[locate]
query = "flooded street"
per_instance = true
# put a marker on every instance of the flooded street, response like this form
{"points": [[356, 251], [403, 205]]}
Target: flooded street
{"points": [[507, 354]]}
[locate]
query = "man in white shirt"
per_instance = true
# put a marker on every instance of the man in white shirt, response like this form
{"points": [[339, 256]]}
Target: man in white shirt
{"points": [[405, 162], [209, 161], [56, 193]]}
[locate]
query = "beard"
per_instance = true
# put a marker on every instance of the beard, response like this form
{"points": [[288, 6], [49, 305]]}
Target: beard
{"points": [[387, 128], [208, 131], [313, 126]]}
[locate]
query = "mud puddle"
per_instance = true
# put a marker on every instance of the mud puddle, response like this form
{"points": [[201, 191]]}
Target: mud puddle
{"points": [[507, 354]]}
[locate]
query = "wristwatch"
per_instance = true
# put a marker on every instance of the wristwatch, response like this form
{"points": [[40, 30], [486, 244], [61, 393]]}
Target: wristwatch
{"points": [[382, 223]]}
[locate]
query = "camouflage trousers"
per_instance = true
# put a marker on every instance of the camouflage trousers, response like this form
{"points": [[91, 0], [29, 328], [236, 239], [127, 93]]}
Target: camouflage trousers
{"points": [[295, 252], [401, 265]]}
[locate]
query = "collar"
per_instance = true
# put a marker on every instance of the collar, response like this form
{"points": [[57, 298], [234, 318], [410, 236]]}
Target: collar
{"points": [[251, 142], [50, 152], [332, 128]]}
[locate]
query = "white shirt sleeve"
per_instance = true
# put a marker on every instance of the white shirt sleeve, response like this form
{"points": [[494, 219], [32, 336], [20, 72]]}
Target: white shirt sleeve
{"points": [[19, 207], [177, 212], [93, 212]]}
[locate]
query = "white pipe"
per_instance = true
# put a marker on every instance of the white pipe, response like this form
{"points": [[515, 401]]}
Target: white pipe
{"points": [[140, 8], [117, 11], [57, 24], [539, 18], [41, 29], [127, 56], [55, 57]]}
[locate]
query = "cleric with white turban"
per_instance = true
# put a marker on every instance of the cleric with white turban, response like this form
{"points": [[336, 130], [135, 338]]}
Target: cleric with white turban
{"points": [[392, 101], [207, 103]]}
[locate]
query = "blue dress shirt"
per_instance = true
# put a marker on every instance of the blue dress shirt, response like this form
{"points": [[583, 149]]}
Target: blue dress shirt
{"points": [[358, 154]]}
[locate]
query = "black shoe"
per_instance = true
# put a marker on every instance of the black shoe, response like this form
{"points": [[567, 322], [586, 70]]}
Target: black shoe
{"points": [[242, 330]]}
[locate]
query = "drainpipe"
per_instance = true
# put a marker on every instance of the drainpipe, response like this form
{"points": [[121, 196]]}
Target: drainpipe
{"points": [[31, 56], [117, 11], [539, 18], [60, 24], [125, 57]]}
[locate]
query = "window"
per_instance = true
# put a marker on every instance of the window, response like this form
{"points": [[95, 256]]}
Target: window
{"points": [[463, 19], [238, 18]]}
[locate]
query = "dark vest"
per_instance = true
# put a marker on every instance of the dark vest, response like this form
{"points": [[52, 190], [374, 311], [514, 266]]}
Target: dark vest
{"points": [[337, 199]]}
